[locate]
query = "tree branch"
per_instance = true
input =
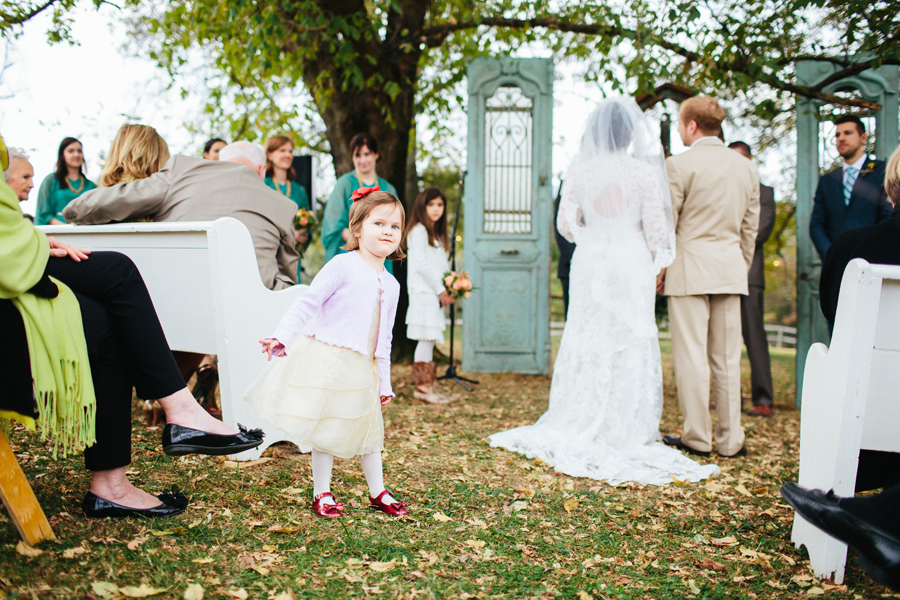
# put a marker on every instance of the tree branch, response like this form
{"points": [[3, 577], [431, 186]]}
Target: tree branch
{"points": [[9, 19], [436, 34]]}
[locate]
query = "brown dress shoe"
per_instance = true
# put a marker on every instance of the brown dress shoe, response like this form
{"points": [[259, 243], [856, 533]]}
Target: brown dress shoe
{"points": [[761, 410]]}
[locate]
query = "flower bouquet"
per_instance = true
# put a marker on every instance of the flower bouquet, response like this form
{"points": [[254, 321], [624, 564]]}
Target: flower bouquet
{"points": [[306, 219], [458, 285]]}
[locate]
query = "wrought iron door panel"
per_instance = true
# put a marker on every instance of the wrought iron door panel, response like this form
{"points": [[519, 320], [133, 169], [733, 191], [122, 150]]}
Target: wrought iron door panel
{"points": [[508, 216]]}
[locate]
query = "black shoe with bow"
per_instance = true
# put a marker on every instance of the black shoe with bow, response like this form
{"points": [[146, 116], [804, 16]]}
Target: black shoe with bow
{"points": [[172, 503], [178, 441]]}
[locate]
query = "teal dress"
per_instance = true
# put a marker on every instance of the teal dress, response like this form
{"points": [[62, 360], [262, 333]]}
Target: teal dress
{"points": [[53, 198], [337, 214], [297, 194]]}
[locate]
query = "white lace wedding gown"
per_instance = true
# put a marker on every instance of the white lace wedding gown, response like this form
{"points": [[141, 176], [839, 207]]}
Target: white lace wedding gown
{"points": [[606, 394]]}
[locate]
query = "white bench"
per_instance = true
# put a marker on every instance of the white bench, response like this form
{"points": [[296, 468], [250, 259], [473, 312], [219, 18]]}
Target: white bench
{"points": [[851, 399], [207, 291]]}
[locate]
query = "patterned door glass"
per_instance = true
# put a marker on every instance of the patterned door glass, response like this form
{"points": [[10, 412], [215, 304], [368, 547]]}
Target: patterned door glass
{"points": [[508, 159]]}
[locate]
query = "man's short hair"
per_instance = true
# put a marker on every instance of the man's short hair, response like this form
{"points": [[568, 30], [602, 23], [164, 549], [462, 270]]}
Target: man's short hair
{"points": [[705, 112], [860, 127], [250, 152], [14, 154], [742, 147], [892, 177]]}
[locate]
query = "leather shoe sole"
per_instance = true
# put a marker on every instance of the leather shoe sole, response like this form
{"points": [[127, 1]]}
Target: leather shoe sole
{"points": [[879, 551], [172, 503], [675, 442], [178, 440], [741, 452]]}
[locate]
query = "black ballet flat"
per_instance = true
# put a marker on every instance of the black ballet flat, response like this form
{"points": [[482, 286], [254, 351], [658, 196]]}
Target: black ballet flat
{"points": [[172, 503], [178, 441]]}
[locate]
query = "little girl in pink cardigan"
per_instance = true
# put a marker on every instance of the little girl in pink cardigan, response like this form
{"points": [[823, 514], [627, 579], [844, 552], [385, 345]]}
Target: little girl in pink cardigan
{"points": [[336, 342]]}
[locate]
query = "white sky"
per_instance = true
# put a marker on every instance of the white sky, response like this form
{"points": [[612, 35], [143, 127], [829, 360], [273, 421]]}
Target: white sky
{"points": [[88, 90]]}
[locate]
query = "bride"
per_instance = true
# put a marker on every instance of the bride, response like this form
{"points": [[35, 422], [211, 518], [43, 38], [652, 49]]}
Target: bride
{"points": [[606, 396]]}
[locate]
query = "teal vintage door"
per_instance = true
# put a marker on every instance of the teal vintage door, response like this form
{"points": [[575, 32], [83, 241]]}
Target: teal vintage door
{"points": [[508, 216], [877, 85]]}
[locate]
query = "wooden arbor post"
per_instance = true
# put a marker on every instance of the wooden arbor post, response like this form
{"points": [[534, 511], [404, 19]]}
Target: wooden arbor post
{"points": [[877, 85]]}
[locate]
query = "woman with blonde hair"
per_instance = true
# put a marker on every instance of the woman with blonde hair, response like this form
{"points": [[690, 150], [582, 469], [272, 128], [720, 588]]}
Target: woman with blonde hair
{"points": [[137, 151]]}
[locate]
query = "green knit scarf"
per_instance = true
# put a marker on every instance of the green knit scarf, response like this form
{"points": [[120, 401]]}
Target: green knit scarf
{"points": [[60, 369]]}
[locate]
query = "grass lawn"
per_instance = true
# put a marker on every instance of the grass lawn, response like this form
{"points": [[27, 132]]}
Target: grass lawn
{"points": [[485, 523]]}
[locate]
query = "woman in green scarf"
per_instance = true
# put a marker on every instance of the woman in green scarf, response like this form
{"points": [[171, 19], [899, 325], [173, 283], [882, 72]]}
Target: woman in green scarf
{"points": [[79, 326]]}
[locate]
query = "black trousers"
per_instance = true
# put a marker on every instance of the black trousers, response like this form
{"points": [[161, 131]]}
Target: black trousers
{"points": [[757, 343], [126, 347]]}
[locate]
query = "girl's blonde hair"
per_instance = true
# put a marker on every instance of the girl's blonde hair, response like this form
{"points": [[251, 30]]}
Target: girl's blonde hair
{"points": [[137, 152], [892, 177], [362, 208]]}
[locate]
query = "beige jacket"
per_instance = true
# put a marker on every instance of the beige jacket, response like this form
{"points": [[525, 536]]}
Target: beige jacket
{"points": [[194, 189], [715, 203]]}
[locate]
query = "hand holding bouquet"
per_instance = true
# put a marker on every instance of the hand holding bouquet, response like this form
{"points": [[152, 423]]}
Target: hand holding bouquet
{"points": [[458, 285]]}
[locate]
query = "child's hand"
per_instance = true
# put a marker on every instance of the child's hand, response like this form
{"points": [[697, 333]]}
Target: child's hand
{"points": [[446, 298], [272, 347], [386, 399]]}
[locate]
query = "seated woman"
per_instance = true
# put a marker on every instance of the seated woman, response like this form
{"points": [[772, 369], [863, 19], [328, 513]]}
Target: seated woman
{"points": [[137, 152], [44, 285]]}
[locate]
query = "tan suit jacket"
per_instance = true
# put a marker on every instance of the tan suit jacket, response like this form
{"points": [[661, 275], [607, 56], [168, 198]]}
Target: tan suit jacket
{"points": [[715, 203], [194, 189]]}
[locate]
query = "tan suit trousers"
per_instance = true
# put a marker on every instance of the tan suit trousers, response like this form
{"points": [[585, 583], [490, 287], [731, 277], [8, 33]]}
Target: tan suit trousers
{"points": [[706, 339]]}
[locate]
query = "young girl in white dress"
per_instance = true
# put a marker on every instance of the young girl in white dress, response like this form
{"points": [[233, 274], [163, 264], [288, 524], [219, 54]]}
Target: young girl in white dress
{"points": [[427, 244], [335, 376]]}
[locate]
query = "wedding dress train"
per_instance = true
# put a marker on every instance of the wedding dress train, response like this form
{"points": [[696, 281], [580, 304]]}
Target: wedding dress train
{"points": [[606, 395]]}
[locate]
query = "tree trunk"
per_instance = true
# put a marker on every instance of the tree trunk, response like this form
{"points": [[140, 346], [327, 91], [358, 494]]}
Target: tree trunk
{"points": [[391, 64]]}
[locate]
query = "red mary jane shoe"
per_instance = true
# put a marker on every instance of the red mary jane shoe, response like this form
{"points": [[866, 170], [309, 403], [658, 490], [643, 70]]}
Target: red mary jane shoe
{"points": [[327, 510], [395, 508]]}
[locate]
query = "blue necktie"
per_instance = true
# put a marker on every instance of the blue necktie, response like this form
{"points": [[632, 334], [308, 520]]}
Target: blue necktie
{"points": [[849, 181]]}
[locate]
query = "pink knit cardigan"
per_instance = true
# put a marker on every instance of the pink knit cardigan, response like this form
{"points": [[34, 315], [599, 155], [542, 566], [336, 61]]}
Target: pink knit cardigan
{"points": [[337, 310]]}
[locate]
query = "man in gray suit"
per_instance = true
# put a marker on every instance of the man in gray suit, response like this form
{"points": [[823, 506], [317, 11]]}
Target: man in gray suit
{"points": [[752, 305], [195, 189]]}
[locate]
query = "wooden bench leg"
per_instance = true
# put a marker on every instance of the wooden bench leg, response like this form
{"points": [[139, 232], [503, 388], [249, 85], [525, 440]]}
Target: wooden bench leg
{"points": [[19, 498]]}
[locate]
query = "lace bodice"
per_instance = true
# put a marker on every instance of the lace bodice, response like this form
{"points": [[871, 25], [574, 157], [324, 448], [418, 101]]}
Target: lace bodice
{"points": [[609, 197]]}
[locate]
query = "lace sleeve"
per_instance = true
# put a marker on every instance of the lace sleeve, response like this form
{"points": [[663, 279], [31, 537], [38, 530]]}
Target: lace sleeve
{"points": [[570, 219], [656, 222]]}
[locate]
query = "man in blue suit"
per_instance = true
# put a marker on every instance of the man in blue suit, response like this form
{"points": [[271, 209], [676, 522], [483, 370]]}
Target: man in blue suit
{"points": [[852, 196]]}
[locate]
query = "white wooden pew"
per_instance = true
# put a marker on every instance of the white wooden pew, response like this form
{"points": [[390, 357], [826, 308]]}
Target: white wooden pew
{"points": [[207, 291], [851, 398]]}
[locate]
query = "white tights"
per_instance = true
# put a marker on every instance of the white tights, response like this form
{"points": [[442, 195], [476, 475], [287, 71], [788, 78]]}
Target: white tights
{"points": [[322, 463], [424, 351]]}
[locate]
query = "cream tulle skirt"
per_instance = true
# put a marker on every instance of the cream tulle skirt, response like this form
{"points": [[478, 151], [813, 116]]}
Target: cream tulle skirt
{"points": [[324, 396]]}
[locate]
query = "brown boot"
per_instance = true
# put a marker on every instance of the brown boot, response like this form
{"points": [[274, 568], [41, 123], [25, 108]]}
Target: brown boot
{"points": [[424, 373], [437, 397]]}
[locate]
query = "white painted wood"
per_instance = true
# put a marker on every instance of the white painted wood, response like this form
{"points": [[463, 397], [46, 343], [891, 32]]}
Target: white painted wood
{"points": [[851, 398], [205, 285]]}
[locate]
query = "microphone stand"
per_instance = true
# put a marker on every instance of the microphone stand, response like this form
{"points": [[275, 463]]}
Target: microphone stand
{"points": [[451, 370]]}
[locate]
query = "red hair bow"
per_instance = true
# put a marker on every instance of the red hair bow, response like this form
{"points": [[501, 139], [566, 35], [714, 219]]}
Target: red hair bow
{"points": [[363, 192]]}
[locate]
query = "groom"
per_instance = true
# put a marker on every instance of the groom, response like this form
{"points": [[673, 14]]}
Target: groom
{"points": [[715, 204]]}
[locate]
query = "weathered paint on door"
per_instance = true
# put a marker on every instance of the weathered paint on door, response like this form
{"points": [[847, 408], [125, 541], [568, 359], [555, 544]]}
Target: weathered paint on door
{"points": [[508, 220], [878, 85]]}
